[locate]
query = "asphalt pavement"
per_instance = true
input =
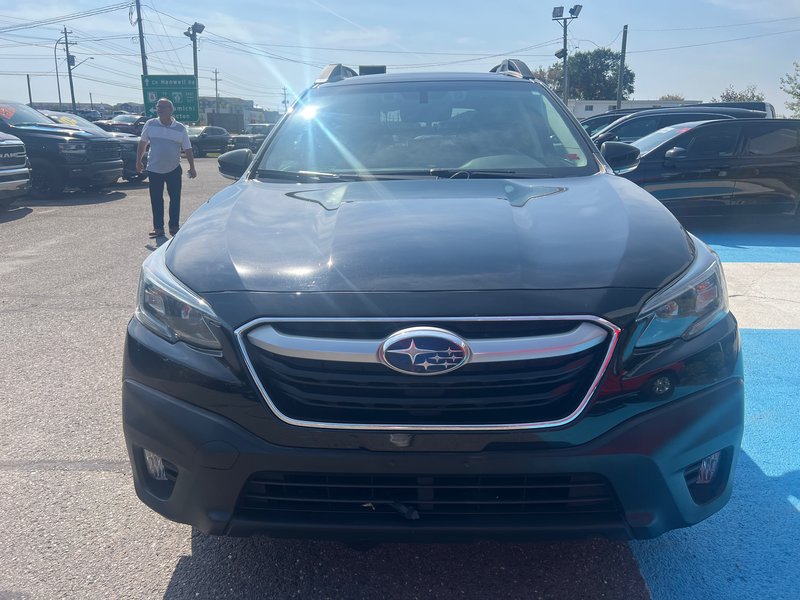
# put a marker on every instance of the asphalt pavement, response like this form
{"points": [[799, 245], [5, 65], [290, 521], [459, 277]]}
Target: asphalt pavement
{"points": [[72, 527]]}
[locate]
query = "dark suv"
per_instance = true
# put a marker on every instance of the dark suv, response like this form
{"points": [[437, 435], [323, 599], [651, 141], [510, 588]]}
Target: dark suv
{"points": [[630, 128], [61, 155], [709, 168], [427, 310], [208, 139]]}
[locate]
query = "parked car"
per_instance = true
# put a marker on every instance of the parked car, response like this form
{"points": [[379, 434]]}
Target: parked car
{"points": [[252, 138], [634, 126], [15, 172], [595, 123], [61, 155], [742, 166], [132, 124], [208, 139], [90, 115], [128, 142], [427, 309]]}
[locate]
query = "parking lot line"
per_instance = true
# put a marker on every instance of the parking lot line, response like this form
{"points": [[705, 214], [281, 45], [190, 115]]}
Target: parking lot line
{"points": [[749, 549]]}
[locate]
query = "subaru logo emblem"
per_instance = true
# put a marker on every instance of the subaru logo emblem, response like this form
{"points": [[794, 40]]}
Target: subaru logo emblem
{"points": [[424, 351]]}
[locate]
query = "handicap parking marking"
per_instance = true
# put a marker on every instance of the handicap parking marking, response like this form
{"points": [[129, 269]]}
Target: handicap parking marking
{"points": [[749, 549], [759, 240]]}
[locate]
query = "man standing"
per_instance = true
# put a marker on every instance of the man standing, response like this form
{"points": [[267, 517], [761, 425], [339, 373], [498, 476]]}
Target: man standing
{"points": [[166, 137]]}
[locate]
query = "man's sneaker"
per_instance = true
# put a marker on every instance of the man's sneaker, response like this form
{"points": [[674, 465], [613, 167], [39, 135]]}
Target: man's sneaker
{"points": [[156, 233], [173, 230]]}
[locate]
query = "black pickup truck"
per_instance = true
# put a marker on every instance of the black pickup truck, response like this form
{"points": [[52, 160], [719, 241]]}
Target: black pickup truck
{"points": [[61, 155], [15, 174]]}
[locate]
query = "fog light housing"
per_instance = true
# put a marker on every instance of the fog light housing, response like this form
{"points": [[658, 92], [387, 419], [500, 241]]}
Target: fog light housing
{"points": [[708, 468], [155, 465], [706, 479]]}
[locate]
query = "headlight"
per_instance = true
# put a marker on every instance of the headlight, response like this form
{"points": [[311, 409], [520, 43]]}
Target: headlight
{"points": [[170, 309], [73, 147], [697, 301]]}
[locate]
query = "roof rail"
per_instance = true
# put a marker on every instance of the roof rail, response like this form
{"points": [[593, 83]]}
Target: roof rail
{"points": [[336, 72], [514, 68]]}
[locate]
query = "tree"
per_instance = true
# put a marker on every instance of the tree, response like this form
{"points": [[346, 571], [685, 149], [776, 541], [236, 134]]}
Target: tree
{"points": [[748, 94], [791, 85], [592, 75], [672, 97]]}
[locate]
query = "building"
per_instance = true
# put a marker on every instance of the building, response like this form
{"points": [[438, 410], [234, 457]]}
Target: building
{"points": [[588, 108]]}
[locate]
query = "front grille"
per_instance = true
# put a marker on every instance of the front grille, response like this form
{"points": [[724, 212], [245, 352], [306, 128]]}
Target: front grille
{"points": [[102, 151], [12, 155], [478, 498], [540, 390]]}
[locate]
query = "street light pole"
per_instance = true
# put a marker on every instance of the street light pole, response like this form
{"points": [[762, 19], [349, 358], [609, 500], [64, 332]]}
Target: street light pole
{"points": [[558, 15], [69, 68], [191, 32], [58, 82]]}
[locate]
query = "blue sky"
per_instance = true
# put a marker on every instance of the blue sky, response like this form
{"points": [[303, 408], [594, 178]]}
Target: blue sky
{"points": [[288, 42]]}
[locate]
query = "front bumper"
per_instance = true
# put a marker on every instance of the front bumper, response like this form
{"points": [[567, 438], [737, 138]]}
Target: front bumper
{"points": [[95, 173], [644, 460], [14, 182]]}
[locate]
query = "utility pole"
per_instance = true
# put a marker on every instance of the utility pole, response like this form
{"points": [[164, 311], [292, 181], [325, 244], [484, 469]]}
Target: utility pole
{"points": [[216, 89], [285, 102], [91, 100], [621, 65], [58, 80], [141, 36], [558, 15], [30, 97], [70, 60]]}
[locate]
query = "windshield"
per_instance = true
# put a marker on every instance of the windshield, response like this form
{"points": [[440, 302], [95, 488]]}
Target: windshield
{"points": [[194, 130], [76, 121], [417, 128], [19, 114], [125, 118], [652, 141]]}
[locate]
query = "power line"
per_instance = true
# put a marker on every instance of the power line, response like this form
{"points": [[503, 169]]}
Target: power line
{"points": [[722, 26], [749, 37], [62, 18]]}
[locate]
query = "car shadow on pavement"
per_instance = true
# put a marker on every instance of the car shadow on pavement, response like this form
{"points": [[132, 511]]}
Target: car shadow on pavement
{"points": [[260, 567], [748, 550], [14, 213], [74, 198]]}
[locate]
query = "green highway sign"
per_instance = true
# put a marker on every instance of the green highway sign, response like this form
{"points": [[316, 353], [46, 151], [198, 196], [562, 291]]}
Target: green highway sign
{"points": [[181, 89]]}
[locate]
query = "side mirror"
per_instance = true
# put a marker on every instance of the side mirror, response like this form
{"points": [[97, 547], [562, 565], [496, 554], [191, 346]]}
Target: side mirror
{"points": [[233, 164], [623, 158], [676, 152]]}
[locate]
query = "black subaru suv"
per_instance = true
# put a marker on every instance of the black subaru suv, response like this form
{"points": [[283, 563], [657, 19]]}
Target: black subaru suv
{"points": [[428, 310], [61, 155]]}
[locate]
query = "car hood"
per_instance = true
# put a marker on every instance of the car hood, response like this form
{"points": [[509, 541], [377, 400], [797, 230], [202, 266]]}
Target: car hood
{"points": [[54, 130], [435, 235]]}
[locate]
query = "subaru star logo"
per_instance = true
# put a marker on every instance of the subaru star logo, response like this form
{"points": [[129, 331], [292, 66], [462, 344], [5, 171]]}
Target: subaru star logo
{"points": [[424, 351]]}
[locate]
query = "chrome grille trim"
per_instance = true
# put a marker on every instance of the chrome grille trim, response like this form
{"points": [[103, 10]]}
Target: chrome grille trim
{"points": [[244, 331], [582, 337]]}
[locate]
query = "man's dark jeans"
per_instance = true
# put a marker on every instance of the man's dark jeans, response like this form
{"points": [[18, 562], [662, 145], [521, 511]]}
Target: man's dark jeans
{"points": [[173, 181]]}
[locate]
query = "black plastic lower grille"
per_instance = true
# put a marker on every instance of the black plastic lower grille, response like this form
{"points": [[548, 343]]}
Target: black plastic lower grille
{"points": [[372, 497]]}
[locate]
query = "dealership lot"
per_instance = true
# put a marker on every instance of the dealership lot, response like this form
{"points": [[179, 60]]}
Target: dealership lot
{"points": [[71, 525]]}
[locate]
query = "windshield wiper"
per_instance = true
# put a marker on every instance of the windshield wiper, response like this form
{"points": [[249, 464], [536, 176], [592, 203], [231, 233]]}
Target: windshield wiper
{"points": [[303, 176]]}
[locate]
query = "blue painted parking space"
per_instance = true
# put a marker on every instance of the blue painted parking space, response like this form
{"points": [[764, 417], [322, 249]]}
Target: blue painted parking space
{"points": [[750, 549], [767, 240]]}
